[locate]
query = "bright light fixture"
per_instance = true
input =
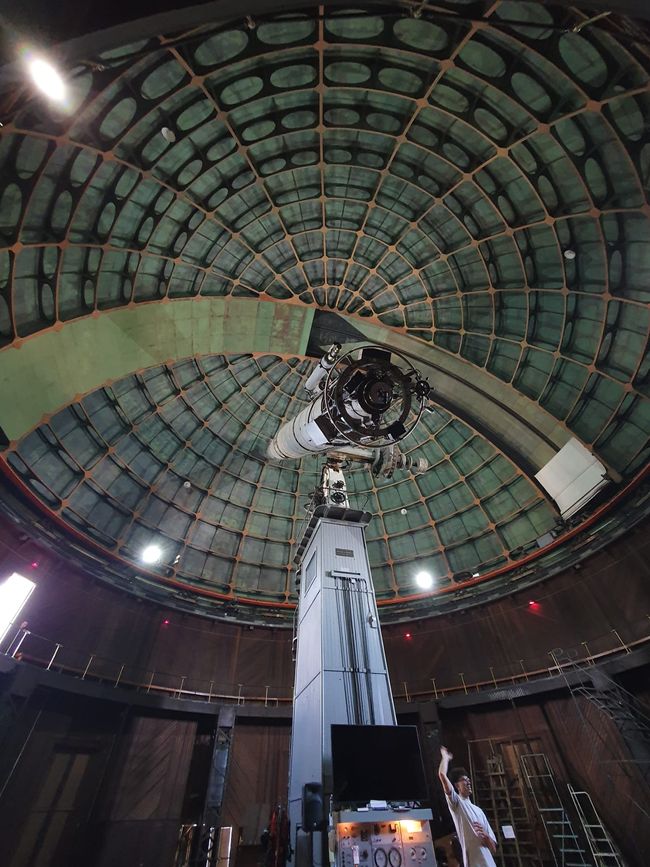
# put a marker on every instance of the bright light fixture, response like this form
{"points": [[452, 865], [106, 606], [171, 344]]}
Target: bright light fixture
{"points": [[14, 592], [151, 554], [424, 580], [47, 79]]}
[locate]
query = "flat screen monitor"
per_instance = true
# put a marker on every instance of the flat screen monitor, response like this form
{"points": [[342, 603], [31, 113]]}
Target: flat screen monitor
{"points": [[379, 763]]}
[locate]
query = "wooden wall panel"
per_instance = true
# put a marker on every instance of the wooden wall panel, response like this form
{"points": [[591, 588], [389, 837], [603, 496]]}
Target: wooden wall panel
{"points": [[598, 761], [28, 818], [64, 747], [154, 774], [89, 617], [145, 804], [611, 591], [257, 778]]}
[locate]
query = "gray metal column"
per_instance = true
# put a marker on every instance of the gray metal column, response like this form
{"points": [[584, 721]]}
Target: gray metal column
{"points": [[341, 673]]}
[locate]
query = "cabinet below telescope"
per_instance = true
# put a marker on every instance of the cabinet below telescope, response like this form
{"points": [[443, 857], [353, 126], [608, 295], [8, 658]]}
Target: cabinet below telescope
{"points": [[383, 838]]}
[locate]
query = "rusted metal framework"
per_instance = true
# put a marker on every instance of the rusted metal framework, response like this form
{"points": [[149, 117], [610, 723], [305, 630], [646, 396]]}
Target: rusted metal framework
{"points": [[469, 186]]}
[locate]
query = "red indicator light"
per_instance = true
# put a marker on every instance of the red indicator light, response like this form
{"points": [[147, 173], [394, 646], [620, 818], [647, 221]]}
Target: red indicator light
{"points": [[34, 564], [407, 635], [165, 622]]}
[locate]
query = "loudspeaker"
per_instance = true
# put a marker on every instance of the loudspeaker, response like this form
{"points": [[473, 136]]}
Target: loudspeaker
{"points": [[313, 818]]}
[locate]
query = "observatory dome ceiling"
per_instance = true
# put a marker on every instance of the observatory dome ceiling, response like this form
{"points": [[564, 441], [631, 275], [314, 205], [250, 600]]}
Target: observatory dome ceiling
{"points": [[211, 207]]}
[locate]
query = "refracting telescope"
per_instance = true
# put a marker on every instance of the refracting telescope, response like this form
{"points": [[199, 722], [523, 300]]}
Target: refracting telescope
{"points": [[368, 397], [355, 779]]}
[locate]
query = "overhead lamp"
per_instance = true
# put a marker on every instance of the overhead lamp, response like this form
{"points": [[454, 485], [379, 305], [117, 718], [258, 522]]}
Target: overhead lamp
{"points": [[47, 79], [151, 554], [424, 580]]}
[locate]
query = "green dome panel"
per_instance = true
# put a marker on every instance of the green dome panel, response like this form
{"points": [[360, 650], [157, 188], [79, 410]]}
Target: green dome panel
{"points": [[470, 181]]}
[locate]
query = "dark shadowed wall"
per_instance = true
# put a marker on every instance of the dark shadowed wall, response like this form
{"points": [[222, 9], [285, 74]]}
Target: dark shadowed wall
{"points": [[257, 777], [608, 595], [94, 776]]}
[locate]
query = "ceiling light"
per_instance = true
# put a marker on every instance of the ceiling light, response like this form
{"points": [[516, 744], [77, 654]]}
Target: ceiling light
{"points": [[402, 511], [47, 79], [168, 134], [424, 580], [569, 254], [151, 554]]}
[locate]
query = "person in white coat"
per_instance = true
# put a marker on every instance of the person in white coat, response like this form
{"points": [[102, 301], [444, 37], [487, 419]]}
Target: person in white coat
{"points": [[474, 833]]}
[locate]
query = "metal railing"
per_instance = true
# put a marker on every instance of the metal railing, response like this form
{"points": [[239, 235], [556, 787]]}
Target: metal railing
{"points": [[34, 649], [29, 647], [519, 671]]}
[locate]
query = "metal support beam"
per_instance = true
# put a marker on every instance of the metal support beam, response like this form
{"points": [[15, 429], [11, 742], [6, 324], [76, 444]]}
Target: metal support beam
{"points": [[206, 854]]}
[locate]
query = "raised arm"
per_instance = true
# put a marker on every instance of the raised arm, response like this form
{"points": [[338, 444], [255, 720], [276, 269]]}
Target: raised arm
{"points": [[445, 758]]}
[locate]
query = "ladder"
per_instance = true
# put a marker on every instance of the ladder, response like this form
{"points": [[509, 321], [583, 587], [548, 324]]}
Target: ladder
{"points": [[504, 802], [603, 848], [630, 716], [620, 706], [565, 844]]}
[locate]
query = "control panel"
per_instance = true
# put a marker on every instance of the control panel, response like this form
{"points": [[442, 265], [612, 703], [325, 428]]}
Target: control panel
{"points": [[391, 843]]}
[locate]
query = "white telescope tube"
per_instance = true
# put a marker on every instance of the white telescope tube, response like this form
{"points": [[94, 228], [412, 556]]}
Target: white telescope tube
{"points": [[301, 436]]}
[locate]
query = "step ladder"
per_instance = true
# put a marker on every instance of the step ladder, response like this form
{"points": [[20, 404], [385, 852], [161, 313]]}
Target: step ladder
{"points": [[567, 847], [504, 803], [604, 850]]}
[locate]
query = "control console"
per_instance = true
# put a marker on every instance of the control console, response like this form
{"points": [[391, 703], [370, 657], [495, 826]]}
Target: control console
{"points": [[387, 839]]}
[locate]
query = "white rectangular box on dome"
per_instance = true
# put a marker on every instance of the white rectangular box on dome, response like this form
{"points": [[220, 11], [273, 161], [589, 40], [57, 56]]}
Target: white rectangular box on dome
{"points": [[572, 477]]}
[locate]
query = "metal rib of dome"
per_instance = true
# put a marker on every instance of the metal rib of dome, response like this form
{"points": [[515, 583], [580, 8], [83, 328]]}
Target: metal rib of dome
{"points": [[474, 192], [115, 464]]}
